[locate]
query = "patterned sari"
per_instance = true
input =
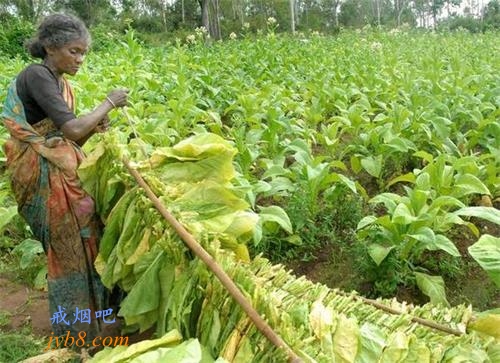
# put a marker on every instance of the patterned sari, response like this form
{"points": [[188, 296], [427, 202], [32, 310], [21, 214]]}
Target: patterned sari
{"points": [[42, 165]]}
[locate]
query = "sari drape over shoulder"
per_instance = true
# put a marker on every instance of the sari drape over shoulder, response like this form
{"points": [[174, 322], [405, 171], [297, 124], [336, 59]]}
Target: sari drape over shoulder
{"points": [[42, 164]]}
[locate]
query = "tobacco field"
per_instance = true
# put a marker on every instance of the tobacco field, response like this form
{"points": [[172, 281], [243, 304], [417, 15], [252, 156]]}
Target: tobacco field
{"points": [[272, 148]]}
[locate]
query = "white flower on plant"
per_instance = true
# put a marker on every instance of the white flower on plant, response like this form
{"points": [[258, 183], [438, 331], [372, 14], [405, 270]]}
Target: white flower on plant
{"points": [[191, 38], [315, 33], [376, 46], [246, 25], [271, 21], [201, 30], [233, 35]]}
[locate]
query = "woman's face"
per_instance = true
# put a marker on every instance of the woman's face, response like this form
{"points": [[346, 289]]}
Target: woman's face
{"points": [[68, 58]]}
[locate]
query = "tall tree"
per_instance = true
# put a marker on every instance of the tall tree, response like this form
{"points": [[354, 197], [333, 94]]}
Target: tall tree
{"points": [[399, 7], [29, 10], [436, 7], [210, 17], [491, 17], [91, 12], [332, 7]]}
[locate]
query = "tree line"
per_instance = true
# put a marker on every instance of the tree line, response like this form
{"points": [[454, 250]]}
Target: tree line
{"points": [[223, 17]]}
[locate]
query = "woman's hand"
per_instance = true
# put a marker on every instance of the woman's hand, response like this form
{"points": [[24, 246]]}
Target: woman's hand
{"points": [[118, 97], [81, 128], [103, 125]]}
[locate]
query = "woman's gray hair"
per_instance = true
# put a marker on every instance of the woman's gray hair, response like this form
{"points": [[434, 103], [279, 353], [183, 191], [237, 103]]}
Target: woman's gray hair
{"points": [[55, 31]]}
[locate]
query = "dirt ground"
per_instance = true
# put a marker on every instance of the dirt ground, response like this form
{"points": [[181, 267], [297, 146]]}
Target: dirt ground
{"points": [[24, 306]]}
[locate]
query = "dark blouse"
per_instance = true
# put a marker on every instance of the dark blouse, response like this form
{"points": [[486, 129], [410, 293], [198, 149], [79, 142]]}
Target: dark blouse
{"points": [[41, 95]]}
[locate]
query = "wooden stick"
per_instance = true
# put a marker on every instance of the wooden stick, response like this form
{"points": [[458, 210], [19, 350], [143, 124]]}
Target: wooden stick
{"points": [[415, 319], [55, 355], [226, 281]]}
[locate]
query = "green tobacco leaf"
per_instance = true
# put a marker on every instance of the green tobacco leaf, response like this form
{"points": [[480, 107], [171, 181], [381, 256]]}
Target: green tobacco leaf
{"points": [[243, 225], [200, 157], [418, 201], [444, 243], [6, 215], [87, 170], [441, 126], [465, 353], [390, 200], [401, 144], [107, 355], [494, 352], [323, 323], [346, 339], [186, 352], [396, 349], [366, 221], [446, 200], [424, 235], [294, 239], [145, 294], [469, 184], [489, 213], [486, 252], [166, 276], [403, 215], [418, 352], [372, 343], [423, 181], [40, 281], [378, 253], [424, 155], [29, 250], [409, 178], [373, 166], [361, 190], [275, 214], [432, 286], [335, 177], [487, 324], [435, 242], [355, 164], [200, 145], [275, 171], [125, 354]]}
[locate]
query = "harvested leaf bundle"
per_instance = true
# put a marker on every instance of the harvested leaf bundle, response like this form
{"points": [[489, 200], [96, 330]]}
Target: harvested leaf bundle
{"points": [[193, 179], [325, 325], [167, 287], [168, 348]]}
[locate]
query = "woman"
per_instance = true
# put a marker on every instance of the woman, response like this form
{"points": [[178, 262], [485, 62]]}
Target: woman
{"points": [[43, 154]]}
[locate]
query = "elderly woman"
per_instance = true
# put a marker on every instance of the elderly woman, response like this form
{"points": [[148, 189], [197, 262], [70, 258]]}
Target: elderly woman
{"points": [[43, 154]]}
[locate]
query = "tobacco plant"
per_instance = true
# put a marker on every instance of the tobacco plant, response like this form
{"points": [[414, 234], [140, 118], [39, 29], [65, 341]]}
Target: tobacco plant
{"points": [[419, 220]]}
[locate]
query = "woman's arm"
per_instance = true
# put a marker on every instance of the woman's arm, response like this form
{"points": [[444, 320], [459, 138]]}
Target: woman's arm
{"points": [[101, 127], [81, 128]]}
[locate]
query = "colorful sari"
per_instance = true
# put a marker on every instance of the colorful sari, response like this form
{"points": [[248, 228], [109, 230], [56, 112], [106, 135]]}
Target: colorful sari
{"points": [[42, 165]]}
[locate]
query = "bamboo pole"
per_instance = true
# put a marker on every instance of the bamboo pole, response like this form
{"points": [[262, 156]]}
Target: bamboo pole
{"points": [[226, 281]]}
